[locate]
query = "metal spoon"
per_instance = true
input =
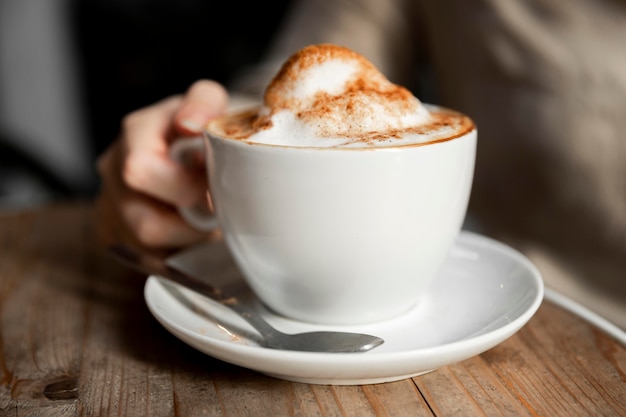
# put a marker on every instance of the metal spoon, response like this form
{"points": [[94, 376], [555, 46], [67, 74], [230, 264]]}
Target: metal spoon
{"points": [[319, 341]]}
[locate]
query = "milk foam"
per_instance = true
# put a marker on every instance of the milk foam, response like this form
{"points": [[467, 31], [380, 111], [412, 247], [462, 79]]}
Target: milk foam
{"points": [[330, 96]]}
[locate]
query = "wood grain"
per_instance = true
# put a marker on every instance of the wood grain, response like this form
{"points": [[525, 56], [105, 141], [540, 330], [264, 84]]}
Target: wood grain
{"points": [[76, 339]]}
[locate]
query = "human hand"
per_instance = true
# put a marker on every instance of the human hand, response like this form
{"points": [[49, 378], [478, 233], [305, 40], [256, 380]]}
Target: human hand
{"points": [[141, 186]]}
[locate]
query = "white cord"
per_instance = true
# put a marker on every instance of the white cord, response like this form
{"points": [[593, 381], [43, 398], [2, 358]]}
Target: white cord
{"points": [[585, 313]]}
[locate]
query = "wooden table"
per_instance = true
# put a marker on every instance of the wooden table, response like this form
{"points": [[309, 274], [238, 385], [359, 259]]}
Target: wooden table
{"points": [[76, 339]]}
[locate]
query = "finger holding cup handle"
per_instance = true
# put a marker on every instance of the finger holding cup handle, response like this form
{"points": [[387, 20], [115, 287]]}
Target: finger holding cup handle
{"points": [[187, 152]]}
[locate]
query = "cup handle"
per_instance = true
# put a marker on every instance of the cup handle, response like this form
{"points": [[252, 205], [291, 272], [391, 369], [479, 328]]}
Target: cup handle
{"points": [[184, 151]]}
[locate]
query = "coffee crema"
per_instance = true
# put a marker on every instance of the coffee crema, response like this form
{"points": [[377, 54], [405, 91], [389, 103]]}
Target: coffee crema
{"points": [[329, 96]]}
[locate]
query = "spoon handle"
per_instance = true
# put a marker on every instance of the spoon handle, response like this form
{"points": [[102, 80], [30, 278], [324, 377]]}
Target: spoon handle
{"points": [[153, 265]]}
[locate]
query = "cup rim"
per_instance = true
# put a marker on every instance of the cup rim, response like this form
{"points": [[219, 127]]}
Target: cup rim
{"points": [[465, 131]]}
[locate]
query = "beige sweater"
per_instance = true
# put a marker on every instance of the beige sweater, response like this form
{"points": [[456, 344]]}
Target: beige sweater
{"points": [[545, 82]]}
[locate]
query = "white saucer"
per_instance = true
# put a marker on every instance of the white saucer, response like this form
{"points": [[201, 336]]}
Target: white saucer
{"points": [[484, 294]]}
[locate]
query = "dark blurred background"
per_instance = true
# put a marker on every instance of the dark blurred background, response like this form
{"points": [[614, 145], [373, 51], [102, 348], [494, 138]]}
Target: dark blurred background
{"points": [[134, 53], [71, 69]]}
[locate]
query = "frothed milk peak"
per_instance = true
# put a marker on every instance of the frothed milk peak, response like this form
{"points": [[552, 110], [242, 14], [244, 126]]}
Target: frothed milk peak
{"points": [[330, 96]]}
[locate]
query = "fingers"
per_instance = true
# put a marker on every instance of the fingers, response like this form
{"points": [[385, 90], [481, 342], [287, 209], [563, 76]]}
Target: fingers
{"points": [[141, 186], [127, 216], [203, 101], [146, 164]]}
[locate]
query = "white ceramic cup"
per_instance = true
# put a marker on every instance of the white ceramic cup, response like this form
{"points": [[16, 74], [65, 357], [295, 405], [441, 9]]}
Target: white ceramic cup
{"points": [[338, 235]]}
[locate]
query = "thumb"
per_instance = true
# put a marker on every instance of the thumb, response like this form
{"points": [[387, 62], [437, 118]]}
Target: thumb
{"points": [[203, 101]]}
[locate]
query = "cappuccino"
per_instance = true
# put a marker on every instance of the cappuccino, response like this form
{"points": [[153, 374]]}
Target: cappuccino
{"points": [[340, 195], [329, 96]]}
